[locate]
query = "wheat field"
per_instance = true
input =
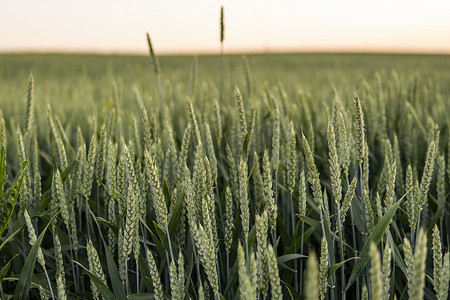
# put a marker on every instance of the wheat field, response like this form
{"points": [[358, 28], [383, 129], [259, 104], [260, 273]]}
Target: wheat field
{"points": [[272, 176]]}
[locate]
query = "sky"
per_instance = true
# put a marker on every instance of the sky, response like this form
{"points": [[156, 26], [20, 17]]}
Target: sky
{"points": [[192, 26]]}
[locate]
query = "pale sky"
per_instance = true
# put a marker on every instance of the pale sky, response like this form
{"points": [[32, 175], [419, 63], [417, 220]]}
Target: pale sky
{"points": [[192, 26]]}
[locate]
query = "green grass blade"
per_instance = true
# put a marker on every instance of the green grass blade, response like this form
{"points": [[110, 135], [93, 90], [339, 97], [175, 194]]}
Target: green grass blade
{"points": [[143, 268], [11, 201], [10, 237], [162, 236], [23, 285], [288, 257], [332, 269], [233, 277], [396, 255], [285, 238], [102, 288], [6, 267], [295, 246], [113, 272], [159, 245], [143, 296], [110, 225], [65, 174], [313, 223], [374, 237], [175, 219]]}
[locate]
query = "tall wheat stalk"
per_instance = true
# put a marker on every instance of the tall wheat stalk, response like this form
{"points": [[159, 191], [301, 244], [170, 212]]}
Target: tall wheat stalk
{"points": [[157, 70], [222, 38]]}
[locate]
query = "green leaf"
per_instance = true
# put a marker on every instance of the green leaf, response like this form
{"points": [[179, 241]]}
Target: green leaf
{"points": [[233, 277], [282, 229], [162, 236], [10, 237], [11, 201], [36, 281], [23, 285], [245, 146], [328, 236], [311, 222], [143, 296], [283, 166], [396, 255], [45, 198], [112, 226], [166, 191], [251, 171], [296, 245], [293, 294], [6, 267], [113, 272], [288, 257], [332, 269], [375, 237], [358, 212], [143, 268], [175, 219], [251, 237], [190, 264], [65, 174], [102, 288], [156, 241], [290, 293]]}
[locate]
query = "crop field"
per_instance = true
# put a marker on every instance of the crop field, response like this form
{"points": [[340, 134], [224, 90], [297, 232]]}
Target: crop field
{"points": [[270, 176]]}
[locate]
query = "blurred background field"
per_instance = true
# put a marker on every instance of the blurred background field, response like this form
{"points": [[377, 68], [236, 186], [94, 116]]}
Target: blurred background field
{"points": [[82, 85]]}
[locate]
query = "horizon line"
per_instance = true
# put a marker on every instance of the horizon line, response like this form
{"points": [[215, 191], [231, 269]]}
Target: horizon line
{"points": [[337, 50]]}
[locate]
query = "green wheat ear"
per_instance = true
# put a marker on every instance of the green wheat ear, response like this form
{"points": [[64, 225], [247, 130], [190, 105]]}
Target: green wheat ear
{"points": [[60, 275], [419, 266], [440, 266], [360, 138], [364, 292], [222, 26], [153, 56], [274, 274], [29, 107], [154, 273], [323, 269], [248, 76], [312, 277], [375, 273]]}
